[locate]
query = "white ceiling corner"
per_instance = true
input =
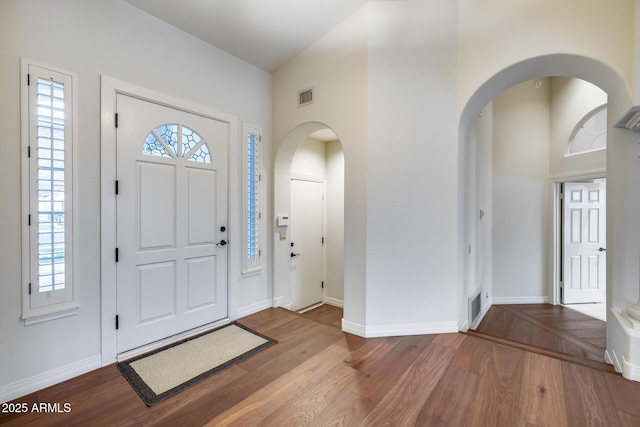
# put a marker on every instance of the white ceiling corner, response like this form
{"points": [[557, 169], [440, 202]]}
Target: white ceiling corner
{"points": [[266, 33]]}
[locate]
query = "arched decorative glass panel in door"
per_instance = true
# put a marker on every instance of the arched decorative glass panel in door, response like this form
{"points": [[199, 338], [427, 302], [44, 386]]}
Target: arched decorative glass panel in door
{"points": [[176, 141]]}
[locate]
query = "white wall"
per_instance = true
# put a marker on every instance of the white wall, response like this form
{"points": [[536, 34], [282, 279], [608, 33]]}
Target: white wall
{"points": [[571, 100], [412, 159], [334, 284], [521, 215], [91, 38], [310, 159]]}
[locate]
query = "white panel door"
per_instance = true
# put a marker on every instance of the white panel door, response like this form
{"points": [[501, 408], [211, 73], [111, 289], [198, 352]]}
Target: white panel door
{"points": [[306, 224], [584, 237], [171, 221]]}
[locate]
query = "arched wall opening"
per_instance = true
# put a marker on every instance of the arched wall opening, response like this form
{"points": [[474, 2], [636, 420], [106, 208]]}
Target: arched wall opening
{"points": [[286, 168], [619, 294]]}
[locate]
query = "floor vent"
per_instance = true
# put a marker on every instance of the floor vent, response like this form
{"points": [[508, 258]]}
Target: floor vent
{"points": [[305, 97], [475, 308]]}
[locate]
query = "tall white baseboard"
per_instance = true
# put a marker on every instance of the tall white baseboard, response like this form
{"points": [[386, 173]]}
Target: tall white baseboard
{"points": [[630, 371], [520, 300], [38, 382], [334, 302], [254, 308], [399, 330]]}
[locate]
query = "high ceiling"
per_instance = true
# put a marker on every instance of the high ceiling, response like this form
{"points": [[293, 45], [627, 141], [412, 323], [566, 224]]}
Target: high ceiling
{"points": [[266, 33]]}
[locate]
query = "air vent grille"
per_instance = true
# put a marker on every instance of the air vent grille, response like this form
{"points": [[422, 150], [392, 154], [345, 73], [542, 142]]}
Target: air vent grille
{"points": [[475, 309], [305, 97]]}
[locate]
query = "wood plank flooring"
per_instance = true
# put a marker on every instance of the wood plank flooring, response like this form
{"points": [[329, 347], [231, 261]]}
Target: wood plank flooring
{"points": [[319, 376], [550, 327]]}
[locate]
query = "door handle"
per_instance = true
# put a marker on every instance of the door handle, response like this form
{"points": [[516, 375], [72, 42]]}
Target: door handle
{"points": [[293, 255], [602, 249], [222, 243]]}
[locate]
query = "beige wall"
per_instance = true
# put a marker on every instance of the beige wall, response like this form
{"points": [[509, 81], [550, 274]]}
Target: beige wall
{"points": [[495, 34]]}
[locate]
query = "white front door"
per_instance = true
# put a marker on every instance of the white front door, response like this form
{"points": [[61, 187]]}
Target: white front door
{"points": [[584, 237], [306, 224], [171, 221]]}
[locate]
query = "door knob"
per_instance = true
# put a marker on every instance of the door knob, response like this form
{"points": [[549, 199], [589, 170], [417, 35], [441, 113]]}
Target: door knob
{"points": [[602, 249], [293, 255], [222, 243]]}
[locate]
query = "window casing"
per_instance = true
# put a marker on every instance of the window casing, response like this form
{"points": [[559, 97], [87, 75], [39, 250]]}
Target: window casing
{"points": [[48, 133], [252, 190]]}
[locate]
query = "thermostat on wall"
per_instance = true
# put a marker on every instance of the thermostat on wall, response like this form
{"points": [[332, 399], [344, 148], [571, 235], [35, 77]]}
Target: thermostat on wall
{"points": [[283, 221]]}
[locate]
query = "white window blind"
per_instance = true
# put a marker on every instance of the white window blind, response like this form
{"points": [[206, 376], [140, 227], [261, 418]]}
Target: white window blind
{"points": [[253, 139], [48, 191]]}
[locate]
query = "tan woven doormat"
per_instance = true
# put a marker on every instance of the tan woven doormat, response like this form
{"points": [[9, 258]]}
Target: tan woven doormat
{"points": [[169, 370]]}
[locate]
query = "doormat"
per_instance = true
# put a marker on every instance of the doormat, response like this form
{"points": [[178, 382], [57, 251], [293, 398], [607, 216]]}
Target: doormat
{"points": [[164, 372]]}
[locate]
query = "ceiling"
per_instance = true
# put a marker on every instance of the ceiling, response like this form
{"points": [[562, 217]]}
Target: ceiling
{"points": [[266, 33]]}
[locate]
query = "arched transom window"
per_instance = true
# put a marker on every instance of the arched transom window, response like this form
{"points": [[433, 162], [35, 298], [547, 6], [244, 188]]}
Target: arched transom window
{"points": [[590, 134], [176, 141]]}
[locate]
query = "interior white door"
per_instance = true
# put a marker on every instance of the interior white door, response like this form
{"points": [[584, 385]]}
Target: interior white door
{"points": [[306, 227], [171, 221], [584, 237]]}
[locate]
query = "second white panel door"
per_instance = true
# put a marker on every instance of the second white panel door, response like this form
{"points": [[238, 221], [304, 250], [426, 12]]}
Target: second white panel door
{"points": [[307, 240]]}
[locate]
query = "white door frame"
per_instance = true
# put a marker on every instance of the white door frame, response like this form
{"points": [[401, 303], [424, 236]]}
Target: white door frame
{"points": [[556, 238], [109, 88]]}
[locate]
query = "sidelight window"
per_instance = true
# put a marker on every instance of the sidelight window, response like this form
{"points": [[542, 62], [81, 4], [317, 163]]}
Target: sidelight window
{"points": [[253, 215], [48, 137]]}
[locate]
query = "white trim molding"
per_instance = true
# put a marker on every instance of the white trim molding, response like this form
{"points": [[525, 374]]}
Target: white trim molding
{"points": [[630, 371], [38, 382], [521, 300], [254, 308], [376, 331], [334, 302]]}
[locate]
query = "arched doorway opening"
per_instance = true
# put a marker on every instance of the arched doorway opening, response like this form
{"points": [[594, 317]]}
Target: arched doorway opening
{"points": [[474, 204], [309, 212]]}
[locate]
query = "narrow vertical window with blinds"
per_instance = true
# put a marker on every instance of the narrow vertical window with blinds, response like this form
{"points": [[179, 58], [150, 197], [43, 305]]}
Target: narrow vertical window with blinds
{"points": [[253, 139], [48, 191]]}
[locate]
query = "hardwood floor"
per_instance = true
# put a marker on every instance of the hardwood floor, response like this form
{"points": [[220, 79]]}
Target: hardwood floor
{"points": [[549, 327], [319, 376]]}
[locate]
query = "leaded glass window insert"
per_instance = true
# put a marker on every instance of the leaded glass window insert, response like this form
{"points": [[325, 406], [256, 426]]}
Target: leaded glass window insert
{"points": [[176, 141]]}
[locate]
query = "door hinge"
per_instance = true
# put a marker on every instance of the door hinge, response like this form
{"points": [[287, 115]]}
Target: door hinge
{"points": [[28, 79], [117, 255], [322, 285], [29, 220], [29, 288], [116, 119], [117, 189], [323, 240], [29, 151], [259, 252], [117, 321]]}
